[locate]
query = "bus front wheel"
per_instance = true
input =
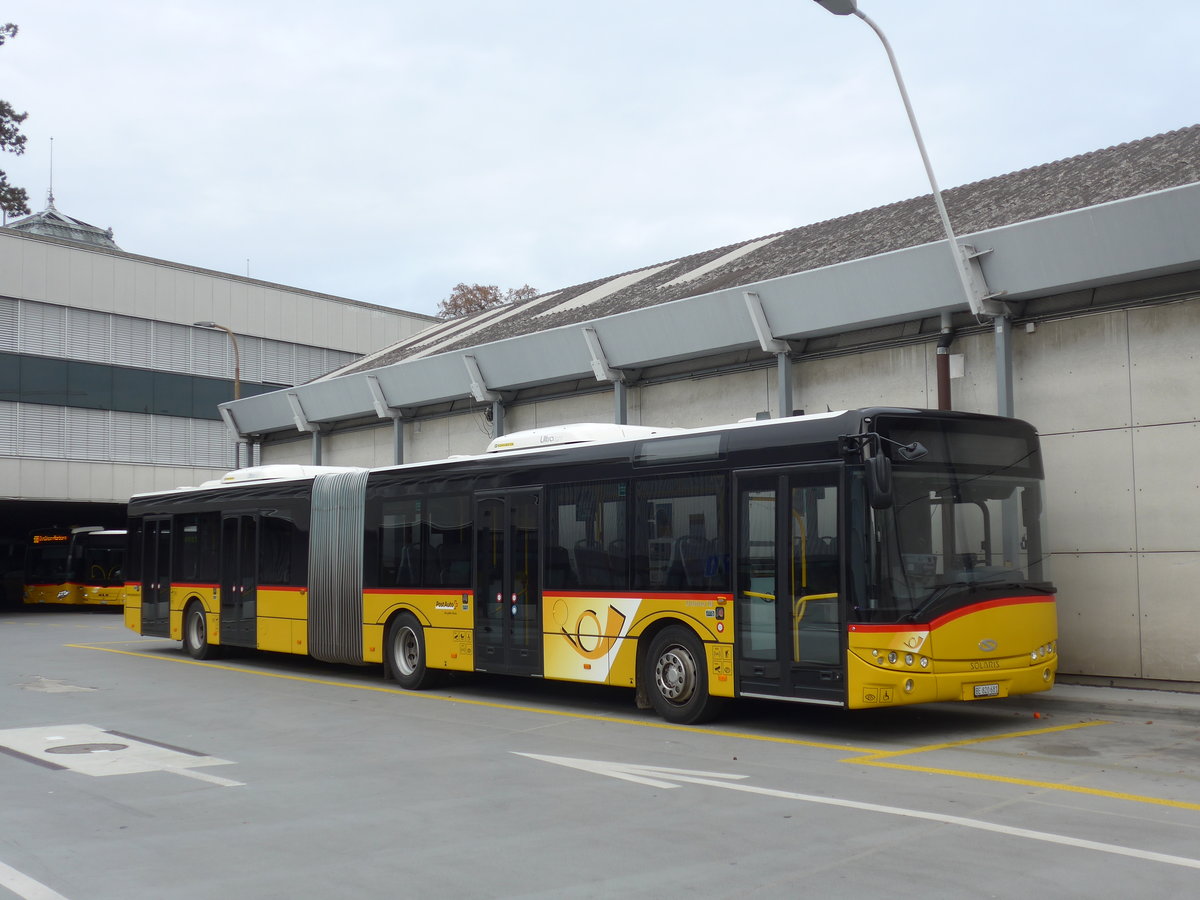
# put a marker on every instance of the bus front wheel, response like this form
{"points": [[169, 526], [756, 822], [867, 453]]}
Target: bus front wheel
{"points": [[675, 673], [195, 633], [405, 655]]}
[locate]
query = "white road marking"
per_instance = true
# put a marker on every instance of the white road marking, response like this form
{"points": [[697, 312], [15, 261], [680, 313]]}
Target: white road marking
{"points": [[25, 887], [655, 776], [204, 776], [89, 750]]}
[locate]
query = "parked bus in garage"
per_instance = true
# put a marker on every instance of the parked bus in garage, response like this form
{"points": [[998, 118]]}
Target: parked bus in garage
{"points": [[860, 559], [81, 566]]}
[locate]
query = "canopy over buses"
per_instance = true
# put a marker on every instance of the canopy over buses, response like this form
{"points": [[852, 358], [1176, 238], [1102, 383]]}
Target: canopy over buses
{"points": [[862, 559]]}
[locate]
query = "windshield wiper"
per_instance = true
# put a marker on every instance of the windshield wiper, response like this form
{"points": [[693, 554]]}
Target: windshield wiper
{"points": [[973, 587], [937, 595]]}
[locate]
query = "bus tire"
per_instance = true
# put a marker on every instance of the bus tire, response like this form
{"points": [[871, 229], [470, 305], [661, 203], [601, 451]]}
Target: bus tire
{"points": [[676, 677], [405, 654], [195, 632]]}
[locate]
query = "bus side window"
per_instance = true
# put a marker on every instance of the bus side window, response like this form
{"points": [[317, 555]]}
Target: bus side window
{"points": [[586, 536], [681, 533], [280, 561], [450, 539]]}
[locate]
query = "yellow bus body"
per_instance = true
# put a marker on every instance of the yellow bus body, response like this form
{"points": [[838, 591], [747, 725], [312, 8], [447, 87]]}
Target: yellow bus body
{"points": [[1016, 655]]}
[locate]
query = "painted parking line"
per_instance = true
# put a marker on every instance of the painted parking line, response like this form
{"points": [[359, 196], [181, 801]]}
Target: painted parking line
{"points": [[25, 887], [865, 756], [884, 759]]}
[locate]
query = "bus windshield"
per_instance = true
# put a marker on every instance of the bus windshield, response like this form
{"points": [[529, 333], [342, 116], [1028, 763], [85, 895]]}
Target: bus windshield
{"points": [[963, 526]]}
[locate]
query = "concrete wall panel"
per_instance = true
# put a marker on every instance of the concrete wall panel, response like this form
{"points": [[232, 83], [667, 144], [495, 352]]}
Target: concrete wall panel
{"points": [[33, 273], [1073, 375], [597, 407], [893, 377], [1168, 487], [698, 402], [1099, 623], [1170, 611], [1090, 492], [1164, 344]]}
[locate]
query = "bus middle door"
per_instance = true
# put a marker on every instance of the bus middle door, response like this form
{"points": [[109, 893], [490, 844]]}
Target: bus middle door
{"points": [[508, 597], [239, 581], [791, 627]]}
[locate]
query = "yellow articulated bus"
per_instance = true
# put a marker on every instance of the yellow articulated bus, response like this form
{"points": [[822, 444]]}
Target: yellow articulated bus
{"points": [[859, 559], [79, 566]]}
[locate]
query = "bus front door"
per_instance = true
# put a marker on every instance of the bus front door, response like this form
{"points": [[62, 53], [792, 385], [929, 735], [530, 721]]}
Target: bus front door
{"points": [[156, 577], [508, 596], [790, 618], [239, 582]]}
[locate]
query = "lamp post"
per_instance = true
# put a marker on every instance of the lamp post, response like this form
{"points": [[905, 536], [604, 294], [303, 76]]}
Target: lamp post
{"points": [[237, 381], [979, 300], [976, 298]]}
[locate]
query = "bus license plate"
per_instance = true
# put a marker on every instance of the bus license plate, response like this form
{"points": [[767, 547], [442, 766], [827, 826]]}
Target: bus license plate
{"points": [[987, 690]]}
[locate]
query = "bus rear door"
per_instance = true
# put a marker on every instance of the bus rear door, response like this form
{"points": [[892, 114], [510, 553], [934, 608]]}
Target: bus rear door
{"points": [[508, 632], [789, 607], [239, 581], [156, 576]]}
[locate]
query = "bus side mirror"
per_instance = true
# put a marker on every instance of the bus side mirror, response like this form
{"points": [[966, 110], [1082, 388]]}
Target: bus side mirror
{"points": [[879, 481]]}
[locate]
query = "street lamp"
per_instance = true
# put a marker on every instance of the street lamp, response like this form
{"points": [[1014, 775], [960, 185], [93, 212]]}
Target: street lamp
{"points": [[978, 298], [237, 383]]}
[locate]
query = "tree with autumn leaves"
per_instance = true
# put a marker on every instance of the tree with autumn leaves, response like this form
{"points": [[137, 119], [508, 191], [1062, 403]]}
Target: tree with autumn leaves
{"points": [[13, 200], [466, 299]]}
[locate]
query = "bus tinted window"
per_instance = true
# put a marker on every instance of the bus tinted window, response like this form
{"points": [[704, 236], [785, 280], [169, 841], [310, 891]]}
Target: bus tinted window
{"points": [[406, 556], [450, 541], [586, 537], [681, 540], [281, 552], [196, 551]]}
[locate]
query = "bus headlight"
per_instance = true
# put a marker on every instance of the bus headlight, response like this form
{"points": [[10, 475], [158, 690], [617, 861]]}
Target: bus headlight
{"points": [[924, 662], [908, 686], [908, 659], [892, 657]]}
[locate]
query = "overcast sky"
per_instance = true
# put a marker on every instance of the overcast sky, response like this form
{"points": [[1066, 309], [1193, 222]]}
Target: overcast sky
{"points": [[385, 151]]}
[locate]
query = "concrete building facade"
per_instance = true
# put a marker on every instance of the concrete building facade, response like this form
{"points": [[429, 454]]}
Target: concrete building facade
{"points": [[107, 385]]}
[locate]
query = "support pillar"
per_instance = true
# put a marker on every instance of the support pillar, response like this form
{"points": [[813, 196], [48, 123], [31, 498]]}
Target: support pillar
{"points": [[497, 419], [784, 372], [397, 439], [1004, 366]]}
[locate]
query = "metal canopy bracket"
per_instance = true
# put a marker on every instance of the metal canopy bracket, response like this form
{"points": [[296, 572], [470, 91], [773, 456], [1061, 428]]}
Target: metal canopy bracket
{"points": [[227, 416], [479, 388], [382, 408], [298, 416], [762, 328], [600, 366]]}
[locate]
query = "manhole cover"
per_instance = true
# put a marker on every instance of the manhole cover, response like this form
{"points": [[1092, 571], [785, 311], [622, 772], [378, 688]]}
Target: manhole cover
{"points": [[87, 748]]}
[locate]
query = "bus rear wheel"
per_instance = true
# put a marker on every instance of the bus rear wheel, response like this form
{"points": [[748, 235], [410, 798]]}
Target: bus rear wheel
{"points": [[195, 633], [676, 677], [405, 654]]}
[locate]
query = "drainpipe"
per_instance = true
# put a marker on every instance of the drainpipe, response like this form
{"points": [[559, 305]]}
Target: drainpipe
{"points": [[945, 339]]}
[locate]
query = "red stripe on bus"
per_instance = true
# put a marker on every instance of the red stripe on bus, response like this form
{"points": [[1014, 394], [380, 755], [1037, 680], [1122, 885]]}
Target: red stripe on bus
{"points": [[951, 616]]}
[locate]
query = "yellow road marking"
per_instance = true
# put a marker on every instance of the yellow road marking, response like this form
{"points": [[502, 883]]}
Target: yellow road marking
{"points": [[882, 759], [868, 757]]}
